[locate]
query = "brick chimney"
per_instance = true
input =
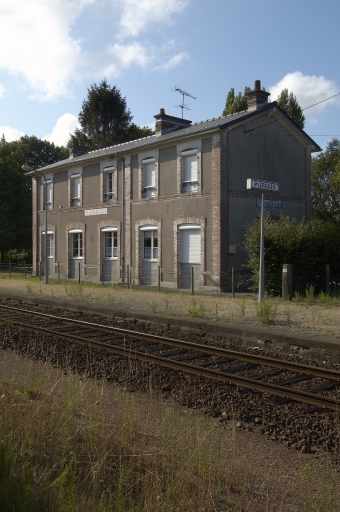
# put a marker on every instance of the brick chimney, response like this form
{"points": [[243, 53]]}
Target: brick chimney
{"points": [[78, 148], [166, 124], [257, 98]]}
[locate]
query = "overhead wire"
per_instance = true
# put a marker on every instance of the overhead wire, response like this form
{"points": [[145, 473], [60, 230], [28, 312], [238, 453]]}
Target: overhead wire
{"points": [[310, 106]]}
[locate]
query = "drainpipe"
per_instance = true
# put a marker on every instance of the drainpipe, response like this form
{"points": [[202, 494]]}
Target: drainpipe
{"points": [[37, 227], [122, 238]]}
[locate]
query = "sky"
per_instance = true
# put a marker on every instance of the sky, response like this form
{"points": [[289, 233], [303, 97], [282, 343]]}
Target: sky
{"points": [[52, 51]]}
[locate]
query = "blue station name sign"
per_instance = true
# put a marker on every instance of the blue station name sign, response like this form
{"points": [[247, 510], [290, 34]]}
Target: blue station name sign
{"points": [[262, 185], [269, 204]]}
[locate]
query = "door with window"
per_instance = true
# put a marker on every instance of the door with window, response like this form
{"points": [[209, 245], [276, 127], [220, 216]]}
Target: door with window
{"points": [[190, 255], [149, 255], [109, 244], [76, 254]]}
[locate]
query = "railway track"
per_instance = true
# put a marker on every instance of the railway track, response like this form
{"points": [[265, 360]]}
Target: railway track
{"points": [[268, 375]]}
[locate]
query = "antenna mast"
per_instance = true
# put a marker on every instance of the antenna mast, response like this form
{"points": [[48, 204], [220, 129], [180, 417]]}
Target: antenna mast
{"points": [[177, 88]]}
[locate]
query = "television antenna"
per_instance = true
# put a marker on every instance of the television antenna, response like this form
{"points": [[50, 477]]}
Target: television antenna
{"points": [[177, 88]]}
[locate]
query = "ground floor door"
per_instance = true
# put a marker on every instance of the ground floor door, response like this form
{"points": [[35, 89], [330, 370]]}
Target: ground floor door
{"points": [[76, 269], [190, 257], [110, 271]]}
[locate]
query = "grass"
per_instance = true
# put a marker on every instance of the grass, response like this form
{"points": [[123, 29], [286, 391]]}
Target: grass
{"points": [[265, 312], [197, 310], [74, 444], [221, 307]]}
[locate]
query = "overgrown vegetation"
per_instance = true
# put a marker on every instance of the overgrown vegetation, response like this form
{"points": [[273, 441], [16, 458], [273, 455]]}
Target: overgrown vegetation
{"points": [[309, 247], [69, 444]]}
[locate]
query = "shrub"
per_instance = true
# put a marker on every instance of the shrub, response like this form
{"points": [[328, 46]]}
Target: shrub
{"points": [[309, 247]]}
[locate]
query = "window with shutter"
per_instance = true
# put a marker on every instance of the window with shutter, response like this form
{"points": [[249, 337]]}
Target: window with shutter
{"points": [[109, 177], [189, 163], [48, 198], [75, 190], [149, 177]]}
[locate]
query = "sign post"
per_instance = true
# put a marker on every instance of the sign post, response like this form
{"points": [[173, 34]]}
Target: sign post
{"points": [[264, 186]]}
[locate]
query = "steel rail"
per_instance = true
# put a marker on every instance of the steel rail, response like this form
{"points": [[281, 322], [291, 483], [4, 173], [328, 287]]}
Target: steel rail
{"points": [[222, 352], [218, 375]]}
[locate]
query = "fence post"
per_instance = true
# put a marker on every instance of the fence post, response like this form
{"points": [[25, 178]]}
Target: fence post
{"points": [[58, 272], [9, 268], [40, 270], [232, 283], [79, 274], [287, 282], [192, 281], [327, 279], [128, 275], [159, 278]]}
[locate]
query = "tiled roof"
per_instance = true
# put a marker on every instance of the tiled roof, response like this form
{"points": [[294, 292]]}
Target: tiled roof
{"points": [[131, 146]]}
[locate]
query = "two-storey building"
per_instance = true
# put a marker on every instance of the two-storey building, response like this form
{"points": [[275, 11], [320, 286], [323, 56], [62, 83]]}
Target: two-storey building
{"points": [[173, 201]]}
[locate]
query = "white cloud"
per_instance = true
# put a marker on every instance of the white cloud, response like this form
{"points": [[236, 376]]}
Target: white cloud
{"points": [[308, 90], [65, 125], [10, 133], [47, 51], [36, 42], [174, 61], [2, 90], [139, 14]]}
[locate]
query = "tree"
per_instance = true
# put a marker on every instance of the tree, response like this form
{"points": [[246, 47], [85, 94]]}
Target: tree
{"points": [[236, 103], [326, 183], [104, 115], [134, 132], [38, 153], [289, 104], [15, 188]]}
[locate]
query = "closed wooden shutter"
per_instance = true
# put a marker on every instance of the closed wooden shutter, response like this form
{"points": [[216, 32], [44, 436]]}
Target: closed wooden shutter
{"points": [[190, 246], [190, 168]]}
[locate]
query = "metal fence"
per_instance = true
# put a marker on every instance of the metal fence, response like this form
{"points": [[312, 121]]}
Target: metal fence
{"points": [[24, 269], [189, 278]]}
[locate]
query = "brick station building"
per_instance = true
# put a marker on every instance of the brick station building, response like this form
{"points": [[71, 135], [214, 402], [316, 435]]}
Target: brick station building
{"points": [[174, 201]]}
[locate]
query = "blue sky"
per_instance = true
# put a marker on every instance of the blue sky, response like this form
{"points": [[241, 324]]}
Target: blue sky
{"points": [[53, 50]]}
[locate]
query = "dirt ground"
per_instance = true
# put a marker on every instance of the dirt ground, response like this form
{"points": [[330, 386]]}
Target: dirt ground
{"points": [[312, 317]]}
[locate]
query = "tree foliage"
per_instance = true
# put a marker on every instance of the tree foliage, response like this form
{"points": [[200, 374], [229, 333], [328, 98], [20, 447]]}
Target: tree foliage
{"points": [[289, 104], [326, 183], [286, 101], [236, 103], [105, 118], [309, 247], [15, 188]]}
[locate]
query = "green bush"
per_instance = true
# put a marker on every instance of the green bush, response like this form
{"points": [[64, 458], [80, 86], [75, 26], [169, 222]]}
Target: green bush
{"points": [[309, 247]]}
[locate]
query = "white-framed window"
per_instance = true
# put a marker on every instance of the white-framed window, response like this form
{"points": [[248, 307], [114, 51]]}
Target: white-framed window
{"points": [[189, 166], [75, 190], [110, 242], [48, 195], [149, 177], [150, 243], [109, 176], [50, 243], [76, 243]]}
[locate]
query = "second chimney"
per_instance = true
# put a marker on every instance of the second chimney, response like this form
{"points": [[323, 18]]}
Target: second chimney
{"points": [[78, 148], [257, 98], [166, 124]]}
